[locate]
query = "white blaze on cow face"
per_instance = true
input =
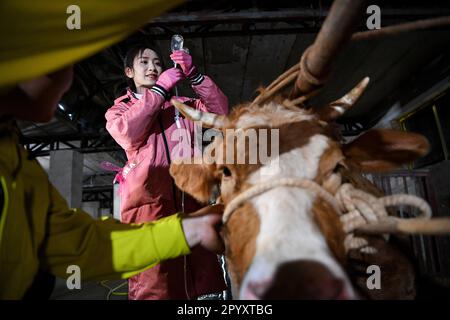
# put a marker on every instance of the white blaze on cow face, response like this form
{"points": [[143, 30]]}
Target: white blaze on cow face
{"points": [[288, 231]]}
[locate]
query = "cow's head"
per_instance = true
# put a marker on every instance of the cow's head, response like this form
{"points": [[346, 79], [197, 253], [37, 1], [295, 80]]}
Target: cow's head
{"points": [[286, 242]]}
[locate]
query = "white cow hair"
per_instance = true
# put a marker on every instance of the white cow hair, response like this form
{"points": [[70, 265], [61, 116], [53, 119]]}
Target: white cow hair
{"points": [[271, 114], [288, 212]]}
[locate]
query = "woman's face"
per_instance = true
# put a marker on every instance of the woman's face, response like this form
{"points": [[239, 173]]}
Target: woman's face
{"points": [[146, 69]]}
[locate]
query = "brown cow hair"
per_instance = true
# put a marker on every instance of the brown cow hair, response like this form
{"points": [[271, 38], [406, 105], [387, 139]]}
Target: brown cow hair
{"points": [[240, 235], [330, 225]]}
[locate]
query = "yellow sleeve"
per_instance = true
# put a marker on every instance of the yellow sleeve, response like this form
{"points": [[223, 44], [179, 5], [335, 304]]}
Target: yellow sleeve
{"points": [[107, 249]]}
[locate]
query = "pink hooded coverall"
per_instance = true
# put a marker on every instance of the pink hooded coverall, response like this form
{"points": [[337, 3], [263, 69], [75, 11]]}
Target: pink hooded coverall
{"points": [[147, 187]]}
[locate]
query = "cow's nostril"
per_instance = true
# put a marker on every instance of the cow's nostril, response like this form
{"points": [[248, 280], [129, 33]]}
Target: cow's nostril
{"points": [[226, 172], [304, 280]]}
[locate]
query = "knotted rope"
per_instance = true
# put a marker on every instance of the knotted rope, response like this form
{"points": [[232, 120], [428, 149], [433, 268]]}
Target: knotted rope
{"points": [[363, 209], [359, 211]]}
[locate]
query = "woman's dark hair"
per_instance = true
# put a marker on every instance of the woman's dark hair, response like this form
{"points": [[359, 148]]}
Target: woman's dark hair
{"points": [[129, 59]]}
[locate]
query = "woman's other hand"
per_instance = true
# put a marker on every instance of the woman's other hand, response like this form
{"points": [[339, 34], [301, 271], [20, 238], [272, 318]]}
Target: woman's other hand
{"points": [[169, 78]]}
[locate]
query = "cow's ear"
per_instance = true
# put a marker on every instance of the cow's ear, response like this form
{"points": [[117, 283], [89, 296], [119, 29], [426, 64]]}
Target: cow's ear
{"points": [[198, 180], [381, 150]]}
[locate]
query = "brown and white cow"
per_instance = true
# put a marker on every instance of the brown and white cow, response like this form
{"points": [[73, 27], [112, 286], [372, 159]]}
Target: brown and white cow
{"points": [[287, 242]]}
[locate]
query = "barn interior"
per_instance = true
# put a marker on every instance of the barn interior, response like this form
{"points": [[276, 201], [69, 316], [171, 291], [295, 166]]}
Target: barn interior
{"points": [[243, 45]]}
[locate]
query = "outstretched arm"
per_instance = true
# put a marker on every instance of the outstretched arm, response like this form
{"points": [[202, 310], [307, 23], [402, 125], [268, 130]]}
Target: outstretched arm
{"points": [[109, 249]]}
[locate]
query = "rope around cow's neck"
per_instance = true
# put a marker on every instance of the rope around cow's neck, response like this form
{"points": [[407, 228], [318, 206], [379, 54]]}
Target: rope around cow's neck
{"points": [[359, 211]]}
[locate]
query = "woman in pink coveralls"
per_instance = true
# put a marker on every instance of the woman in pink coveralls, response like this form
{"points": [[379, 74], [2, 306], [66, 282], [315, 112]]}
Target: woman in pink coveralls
{"points": [[137, 121]]}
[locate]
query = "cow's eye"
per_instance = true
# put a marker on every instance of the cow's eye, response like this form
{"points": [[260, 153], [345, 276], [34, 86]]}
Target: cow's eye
{"points": [[226, 172]]}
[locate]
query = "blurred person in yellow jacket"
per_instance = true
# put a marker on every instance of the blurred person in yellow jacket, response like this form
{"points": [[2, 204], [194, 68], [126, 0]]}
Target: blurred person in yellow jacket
{"points": [[38, 37], [40, 233]]}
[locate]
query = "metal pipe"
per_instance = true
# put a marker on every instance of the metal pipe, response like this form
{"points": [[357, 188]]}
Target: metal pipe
{"points": [[336, 31], [433, 23], [214, 17]]}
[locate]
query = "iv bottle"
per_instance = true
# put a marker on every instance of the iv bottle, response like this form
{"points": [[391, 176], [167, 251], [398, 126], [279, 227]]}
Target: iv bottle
{"points": [[177, 42]]}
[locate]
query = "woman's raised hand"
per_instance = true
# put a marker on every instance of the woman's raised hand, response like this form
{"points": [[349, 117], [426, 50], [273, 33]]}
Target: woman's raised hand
{"points": [[184, 60]]}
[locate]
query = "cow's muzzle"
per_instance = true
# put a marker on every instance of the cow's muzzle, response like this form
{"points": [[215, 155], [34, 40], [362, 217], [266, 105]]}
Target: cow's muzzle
{"points": [[300, 279]]}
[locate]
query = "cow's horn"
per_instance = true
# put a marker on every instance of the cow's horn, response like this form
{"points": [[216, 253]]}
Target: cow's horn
{"points": [[337, 108], [209, 120]]}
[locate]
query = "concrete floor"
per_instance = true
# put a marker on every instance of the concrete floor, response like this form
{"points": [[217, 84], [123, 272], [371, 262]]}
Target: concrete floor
{"points": [[108, 290], [96, 291], [90, 291]]}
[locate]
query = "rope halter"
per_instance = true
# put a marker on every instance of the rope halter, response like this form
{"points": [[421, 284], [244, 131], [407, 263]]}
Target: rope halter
{"points": [[359, 211]]}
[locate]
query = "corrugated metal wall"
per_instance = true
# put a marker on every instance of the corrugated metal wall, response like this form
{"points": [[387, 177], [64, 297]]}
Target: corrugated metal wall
{"points": [[428, 250]]}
